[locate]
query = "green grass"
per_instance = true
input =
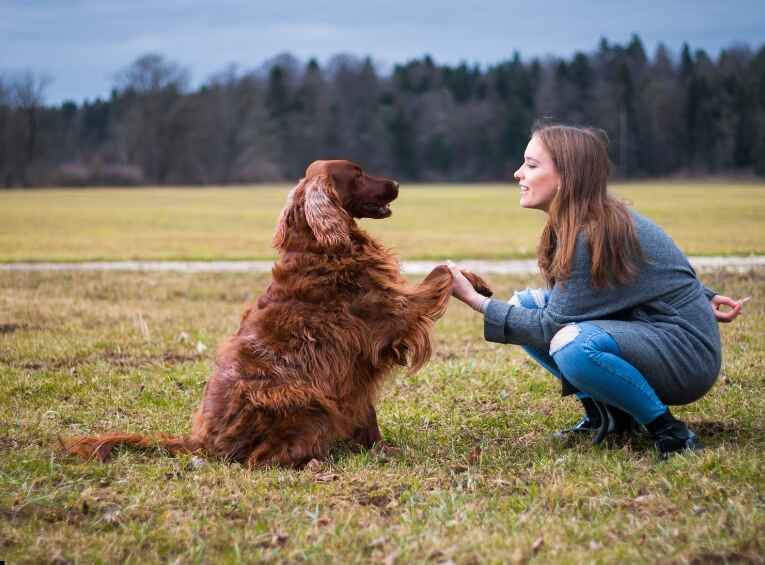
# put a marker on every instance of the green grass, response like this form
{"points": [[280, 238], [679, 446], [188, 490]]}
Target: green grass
{"points": [[466, 221], [88, 352]]}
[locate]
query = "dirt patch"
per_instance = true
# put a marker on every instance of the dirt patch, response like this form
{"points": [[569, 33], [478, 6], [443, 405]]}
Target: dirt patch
{"points": [[70, 364], [715, 428], [7, 444], [119, 359], [12, 327], [24, 512], [383, 498], [172, 358], [715, 431], [125, 360], [748, 552], [725, 558]]}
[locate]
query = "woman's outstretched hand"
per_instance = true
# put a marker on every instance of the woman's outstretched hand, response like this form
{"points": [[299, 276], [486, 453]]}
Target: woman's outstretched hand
{"points": [[725, 316], [464, 291]]}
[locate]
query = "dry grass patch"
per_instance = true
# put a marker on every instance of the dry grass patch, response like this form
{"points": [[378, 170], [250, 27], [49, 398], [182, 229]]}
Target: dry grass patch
{"points": [[478, 479], [429, 221]]}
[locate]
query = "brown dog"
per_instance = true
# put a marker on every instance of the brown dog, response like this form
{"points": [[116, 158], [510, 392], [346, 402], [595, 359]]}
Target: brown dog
{"points": [[305, 366]]}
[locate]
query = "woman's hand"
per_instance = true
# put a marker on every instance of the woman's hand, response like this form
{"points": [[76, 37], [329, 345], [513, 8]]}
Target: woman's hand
{"points": [[725, 316], [464, 291]]}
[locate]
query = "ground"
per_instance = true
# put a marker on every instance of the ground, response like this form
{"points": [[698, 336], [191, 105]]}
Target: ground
{"points": [[479, 477]]}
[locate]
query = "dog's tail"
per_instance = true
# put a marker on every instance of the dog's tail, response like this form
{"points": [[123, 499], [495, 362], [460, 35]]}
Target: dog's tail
{"points": [[100, 447]]}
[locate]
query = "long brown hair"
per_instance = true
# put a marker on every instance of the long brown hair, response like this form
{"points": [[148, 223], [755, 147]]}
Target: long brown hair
{"points": [[583, 202]]}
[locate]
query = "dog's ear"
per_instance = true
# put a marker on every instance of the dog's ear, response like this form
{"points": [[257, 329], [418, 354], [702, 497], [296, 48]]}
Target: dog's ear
{"points": [[285, 219], [324, 213]]}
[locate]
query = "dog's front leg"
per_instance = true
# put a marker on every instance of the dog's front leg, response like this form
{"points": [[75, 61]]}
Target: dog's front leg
{"points": [[427, 303], [432, 295], [368, 434]]}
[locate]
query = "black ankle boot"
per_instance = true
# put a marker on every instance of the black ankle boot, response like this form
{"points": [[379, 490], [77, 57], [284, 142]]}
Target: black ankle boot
{"points": [[589, 423], [623, 421], [670, 435], [613, 421]]}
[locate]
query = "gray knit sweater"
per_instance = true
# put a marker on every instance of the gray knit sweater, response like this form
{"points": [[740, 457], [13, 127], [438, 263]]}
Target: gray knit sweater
{"points": [[662, 321]]}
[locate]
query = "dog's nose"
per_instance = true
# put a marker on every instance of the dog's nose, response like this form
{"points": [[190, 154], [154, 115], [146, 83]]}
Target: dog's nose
{"points": [[393, 189]]}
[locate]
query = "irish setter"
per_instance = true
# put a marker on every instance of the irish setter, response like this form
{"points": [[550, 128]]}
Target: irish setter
{"points": [[306, 364]]}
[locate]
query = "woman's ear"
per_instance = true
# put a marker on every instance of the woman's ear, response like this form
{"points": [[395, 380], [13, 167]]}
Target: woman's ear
{"points": [[324, 213]]}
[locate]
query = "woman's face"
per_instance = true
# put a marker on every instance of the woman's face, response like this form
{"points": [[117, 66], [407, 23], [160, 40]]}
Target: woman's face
{"points": [[537, 177]]}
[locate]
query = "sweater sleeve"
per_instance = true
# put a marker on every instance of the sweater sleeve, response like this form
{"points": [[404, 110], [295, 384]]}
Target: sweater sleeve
{"points": [[574, 300], [708, 292]]}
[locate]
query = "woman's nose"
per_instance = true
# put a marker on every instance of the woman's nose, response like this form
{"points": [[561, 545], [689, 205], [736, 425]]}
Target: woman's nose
{"points": [[517, 174]]}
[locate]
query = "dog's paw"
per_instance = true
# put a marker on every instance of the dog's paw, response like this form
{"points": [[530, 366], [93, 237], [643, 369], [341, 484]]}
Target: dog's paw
{"points": [[382, 447], [314, 465], [478, 284]]}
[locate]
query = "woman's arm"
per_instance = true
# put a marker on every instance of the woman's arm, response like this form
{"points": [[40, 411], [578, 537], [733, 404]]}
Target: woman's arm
{"points": [[572, 301], [534, 329]]}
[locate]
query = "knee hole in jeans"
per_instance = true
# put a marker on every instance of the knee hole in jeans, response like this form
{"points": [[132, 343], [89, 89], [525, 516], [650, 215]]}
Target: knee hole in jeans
{"points": [[563, 337]]}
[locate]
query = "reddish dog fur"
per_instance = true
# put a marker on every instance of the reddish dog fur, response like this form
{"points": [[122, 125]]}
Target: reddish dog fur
{"points": [[306, 364]]}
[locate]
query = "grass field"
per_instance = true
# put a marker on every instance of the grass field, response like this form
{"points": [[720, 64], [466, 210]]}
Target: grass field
{"points": [[478, 221], [479, 478]]}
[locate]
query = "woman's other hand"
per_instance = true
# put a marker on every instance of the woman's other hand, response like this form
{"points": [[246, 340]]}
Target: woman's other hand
{"points": [[725, 316]]}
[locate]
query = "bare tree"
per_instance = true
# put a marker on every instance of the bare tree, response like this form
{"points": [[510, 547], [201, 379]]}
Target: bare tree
{"points": [[155, 120], [22, 100]]}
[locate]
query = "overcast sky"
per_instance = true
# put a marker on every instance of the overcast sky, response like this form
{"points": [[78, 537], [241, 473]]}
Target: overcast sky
{"points": [[81, 44]]}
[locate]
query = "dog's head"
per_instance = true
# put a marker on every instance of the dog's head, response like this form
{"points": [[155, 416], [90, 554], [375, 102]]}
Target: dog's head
{"points": [[330, 195]]}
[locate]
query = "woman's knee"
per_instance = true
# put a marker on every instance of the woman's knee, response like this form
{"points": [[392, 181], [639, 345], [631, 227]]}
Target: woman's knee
{"points": [[564, 337], [575, 349], [532, 298]]}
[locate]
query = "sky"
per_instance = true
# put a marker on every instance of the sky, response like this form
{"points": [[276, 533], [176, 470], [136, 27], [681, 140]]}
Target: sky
{"points": [[81, 45]]}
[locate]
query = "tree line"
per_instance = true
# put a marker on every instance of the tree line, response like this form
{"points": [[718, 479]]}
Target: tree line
{"points": [[667, 114]]}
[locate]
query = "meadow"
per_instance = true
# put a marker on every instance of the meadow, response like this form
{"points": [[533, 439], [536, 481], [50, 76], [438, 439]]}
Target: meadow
{"points": [[429, 221], [479, 477]]}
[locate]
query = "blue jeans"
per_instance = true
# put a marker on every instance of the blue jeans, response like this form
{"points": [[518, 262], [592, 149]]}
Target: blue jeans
{"points": [[589, 358]]}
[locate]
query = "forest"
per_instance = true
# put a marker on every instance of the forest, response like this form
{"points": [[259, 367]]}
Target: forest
{"points": [[667, 114]]}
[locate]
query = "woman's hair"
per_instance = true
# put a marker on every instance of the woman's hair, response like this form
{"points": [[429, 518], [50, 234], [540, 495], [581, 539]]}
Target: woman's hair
{"points": [[583, 203]]}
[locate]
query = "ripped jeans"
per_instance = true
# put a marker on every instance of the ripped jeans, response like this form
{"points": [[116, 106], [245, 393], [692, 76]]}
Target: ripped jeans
{"points": [[589, 358]]}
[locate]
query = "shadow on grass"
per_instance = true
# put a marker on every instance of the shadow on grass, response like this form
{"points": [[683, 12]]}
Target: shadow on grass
{"points": [[713, 433]]}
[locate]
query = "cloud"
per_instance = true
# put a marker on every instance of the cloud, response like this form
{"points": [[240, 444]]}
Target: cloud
{"points": [[83, 43]]}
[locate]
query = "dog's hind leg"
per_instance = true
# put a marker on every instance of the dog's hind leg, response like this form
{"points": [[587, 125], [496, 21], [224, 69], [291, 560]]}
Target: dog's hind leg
{"points": [[293, 444], [294, 453]]}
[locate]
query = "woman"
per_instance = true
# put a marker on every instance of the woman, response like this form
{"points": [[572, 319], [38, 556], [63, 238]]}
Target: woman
{"points": [[625, 322]]}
